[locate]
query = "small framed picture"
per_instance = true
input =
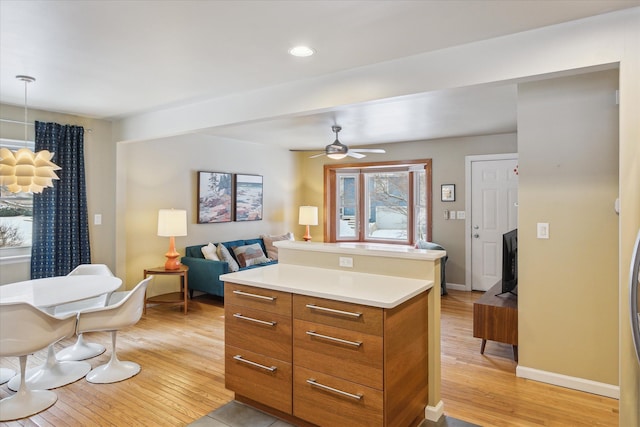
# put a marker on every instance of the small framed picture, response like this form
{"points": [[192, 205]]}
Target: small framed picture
{"points": [[248, 197], [448, 192], [214, 197]]}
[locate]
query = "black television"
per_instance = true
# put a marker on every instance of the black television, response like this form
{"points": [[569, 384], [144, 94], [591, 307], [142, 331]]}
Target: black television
{"points": [[509, 262]]}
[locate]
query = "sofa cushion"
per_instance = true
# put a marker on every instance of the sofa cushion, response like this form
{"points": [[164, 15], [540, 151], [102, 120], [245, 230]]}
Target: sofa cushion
{"points": [[250, 255], [210, 252], [225, 255], [272, 251]]}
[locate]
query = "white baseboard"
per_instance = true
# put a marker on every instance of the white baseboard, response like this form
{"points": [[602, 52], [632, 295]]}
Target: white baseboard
{"points": [[574, 383], [433, 413], [456, 287]]}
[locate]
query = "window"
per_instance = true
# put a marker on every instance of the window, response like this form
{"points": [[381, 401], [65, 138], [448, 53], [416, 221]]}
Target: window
{"points": [[386, 202], [16, 212]]}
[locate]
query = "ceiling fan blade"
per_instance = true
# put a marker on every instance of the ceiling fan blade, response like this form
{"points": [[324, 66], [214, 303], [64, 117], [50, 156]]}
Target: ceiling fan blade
{"points": [[369, 150], [316, 155], [355, 155]]}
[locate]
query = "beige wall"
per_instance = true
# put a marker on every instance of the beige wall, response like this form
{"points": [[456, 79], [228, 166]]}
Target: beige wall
{"points": [[568, 177], [100, 170], [448, 167], [163, 174]]}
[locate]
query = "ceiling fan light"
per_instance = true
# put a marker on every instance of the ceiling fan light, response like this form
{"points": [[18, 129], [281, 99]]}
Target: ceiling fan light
{"points": [[337, 156]]}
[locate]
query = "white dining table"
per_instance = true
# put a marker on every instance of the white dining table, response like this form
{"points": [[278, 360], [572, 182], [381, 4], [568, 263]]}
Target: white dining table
{"points": [[46, 294]]}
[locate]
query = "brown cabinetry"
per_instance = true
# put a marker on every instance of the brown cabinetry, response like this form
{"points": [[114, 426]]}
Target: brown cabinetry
{"points": [[258, 345], [349, 364]]}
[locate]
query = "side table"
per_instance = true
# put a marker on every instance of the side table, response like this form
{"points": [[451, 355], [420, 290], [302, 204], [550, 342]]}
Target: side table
{"points": [[495, 318], [173, 297]]}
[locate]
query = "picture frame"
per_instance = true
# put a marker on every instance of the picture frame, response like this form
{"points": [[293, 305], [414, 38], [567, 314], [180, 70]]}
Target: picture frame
{"points": [[214, 197], [248, 197], [448, 192]]}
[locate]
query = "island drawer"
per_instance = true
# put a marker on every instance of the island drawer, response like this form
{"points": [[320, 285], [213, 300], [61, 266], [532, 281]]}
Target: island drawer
{"points": [[258, 298], [328, 401], [350, 355], [340, 314], [258, 377], [258, 331]]}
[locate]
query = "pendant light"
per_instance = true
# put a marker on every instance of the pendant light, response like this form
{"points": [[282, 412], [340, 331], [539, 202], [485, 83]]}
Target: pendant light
{"points": [[24, 170]]}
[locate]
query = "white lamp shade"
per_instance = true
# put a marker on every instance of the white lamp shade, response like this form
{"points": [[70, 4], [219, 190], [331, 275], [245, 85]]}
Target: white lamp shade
{"points": [[172, 222], [308, 215]]}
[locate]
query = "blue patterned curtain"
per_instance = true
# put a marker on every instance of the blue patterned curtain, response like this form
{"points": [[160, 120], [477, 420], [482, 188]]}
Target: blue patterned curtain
{"points": [[60, 239]]}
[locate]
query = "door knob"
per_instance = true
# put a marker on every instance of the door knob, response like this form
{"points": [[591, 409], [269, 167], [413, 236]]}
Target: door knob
{"points": [[475, 227], [476, 235]]}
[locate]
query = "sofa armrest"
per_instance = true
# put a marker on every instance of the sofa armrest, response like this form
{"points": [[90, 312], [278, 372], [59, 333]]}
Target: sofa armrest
{"points": [[204, 275]]}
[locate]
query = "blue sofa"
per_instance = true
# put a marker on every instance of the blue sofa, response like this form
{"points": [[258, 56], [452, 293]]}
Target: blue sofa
{"points": [[204, 274]]}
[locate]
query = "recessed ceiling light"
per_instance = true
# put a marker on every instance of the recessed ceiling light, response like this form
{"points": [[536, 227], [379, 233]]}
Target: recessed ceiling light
{"points": [[301, 51]]}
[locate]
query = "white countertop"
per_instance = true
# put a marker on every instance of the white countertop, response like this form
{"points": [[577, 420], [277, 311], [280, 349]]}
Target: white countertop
{"points": [[361, 288], [369, 249]]}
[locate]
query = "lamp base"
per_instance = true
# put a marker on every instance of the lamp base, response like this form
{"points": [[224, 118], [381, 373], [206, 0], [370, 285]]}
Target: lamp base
{"points": [[172, 263], [172, 256], [307, 235]]}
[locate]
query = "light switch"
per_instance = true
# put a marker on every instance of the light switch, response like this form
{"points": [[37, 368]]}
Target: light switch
{"points": [[543, 230], [97, 219], [452, 215], [462, 215]]}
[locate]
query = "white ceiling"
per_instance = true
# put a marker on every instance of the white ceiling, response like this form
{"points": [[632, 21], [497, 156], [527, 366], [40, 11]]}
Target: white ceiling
{"points": [[117, 59]]}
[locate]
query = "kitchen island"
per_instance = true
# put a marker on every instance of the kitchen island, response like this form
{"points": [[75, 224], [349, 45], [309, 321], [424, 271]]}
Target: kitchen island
{"points": [[320, 344]]}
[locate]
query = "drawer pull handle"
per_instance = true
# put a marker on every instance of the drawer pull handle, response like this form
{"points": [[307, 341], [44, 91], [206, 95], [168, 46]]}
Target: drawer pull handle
{"points": [[247, 294], [334, 390], [340, 340], [251, 319], [239, 358], [333, 310]]}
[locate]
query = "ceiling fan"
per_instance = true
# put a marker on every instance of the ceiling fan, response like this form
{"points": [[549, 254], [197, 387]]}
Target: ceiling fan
{"points": [[337, 150]]}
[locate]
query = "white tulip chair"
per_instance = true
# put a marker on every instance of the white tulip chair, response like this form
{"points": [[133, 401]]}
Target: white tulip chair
{"points": [[124, 313], [24, 329], [6, 374], [82, 349]]}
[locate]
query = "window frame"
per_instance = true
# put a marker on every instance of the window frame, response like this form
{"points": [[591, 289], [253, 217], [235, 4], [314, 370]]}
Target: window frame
{"points": [[331, 204]]}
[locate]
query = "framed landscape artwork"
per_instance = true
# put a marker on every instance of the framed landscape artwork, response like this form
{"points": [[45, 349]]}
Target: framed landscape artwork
{"points": [[214, 197], [248, 206]]}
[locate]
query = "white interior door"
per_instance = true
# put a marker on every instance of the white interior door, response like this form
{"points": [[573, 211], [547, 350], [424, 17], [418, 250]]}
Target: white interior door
{"points": [[494, 211]]}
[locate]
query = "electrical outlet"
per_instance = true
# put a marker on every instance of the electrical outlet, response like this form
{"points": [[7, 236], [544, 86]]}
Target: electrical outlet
{"points": [[462, 215], [452, 215], [543, 230], [346, 262]]}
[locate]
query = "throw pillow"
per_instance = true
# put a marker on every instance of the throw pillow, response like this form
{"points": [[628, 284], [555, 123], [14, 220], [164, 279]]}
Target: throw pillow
{"points": [[224, 255], [272, 251], [250, 255], [209, 252]]}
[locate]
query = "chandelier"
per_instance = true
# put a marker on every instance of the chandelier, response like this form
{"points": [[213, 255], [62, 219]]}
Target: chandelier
{"points": [[24, 170]]}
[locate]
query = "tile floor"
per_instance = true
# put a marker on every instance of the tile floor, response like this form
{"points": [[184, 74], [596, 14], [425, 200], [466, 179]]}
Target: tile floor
{"points": [[235, 414]]}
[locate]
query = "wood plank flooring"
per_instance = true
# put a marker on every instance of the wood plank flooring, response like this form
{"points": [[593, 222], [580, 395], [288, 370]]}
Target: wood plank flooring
{"points": [[182, 377]]}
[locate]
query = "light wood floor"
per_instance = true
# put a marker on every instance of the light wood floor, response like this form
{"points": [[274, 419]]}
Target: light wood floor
{"points": [[182, 377]]}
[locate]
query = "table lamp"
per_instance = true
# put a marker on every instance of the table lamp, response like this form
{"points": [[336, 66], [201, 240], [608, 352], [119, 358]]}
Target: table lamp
{"points": [[171, 223], [308, 215]]}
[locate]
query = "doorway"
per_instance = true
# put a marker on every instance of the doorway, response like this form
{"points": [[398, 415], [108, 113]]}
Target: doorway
{"points": [[492, 197]]}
